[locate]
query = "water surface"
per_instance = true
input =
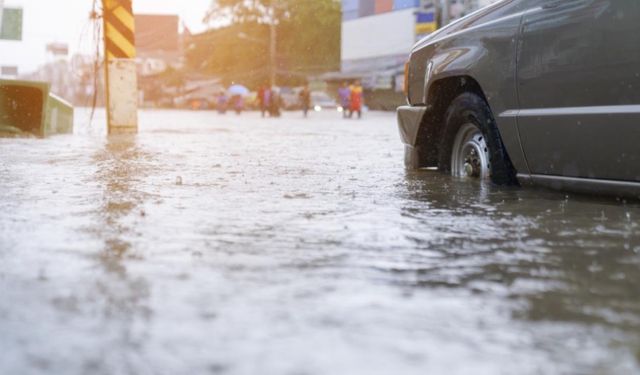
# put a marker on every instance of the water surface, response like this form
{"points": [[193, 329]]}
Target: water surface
{"points": [[237, 245]]}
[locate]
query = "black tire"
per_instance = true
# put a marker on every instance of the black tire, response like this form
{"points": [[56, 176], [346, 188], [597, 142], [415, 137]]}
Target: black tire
{"points": [[469, 108]]}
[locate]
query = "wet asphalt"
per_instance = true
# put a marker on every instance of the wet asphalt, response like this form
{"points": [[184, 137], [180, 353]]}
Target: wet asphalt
{"points": [[212, 244]]}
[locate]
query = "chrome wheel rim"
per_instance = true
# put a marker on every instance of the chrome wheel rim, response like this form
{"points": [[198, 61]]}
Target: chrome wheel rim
{"points": [[470, 154]]}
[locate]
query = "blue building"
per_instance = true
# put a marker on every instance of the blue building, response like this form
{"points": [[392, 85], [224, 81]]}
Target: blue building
{"points": [[352, 9]]}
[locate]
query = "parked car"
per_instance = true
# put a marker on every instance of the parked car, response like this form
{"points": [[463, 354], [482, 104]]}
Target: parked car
{"points": [[290, 99], [321, 101], [198, 98], [545, 92]]}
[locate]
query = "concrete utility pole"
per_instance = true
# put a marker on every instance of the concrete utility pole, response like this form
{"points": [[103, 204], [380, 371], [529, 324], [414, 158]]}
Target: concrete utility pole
{"points": [[120, 65]]}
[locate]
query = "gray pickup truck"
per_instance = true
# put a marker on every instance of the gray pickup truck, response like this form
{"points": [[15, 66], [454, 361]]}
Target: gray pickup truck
{"points": [[543, 92]]}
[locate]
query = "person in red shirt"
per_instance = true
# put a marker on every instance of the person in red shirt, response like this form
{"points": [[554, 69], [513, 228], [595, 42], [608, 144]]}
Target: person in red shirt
{"points": [[356, 99]]}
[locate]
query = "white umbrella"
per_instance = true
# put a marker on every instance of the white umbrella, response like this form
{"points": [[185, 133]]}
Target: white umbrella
{"points": [[238, 90]]}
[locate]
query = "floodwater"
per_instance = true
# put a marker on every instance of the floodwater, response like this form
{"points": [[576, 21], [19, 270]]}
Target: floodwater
{"points": [[236, 245]]}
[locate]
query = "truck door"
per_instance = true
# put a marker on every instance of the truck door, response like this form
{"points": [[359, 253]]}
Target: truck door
{"points": [[578, 74]]}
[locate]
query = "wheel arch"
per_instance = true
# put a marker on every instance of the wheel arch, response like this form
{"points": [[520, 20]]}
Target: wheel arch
{"points": [[440, 94]]}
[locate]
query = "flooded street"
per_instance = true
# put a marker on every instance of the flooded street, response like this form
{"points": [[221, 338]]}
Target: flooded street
{"points": [[213, 244]]}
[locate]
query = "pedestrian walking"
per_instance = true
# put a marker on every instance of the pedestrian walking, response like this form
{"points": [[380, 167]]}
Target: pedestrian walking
{"points": [[264, 98], [305, 99], [274, 103], [344, 93], [356, 99], [221, 103], [238, 104]]}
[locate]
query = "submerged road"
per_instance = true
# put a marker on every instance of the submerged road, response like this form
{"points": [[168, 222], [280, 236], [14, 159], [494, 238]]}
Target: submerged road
{"points": [[212, 244]]}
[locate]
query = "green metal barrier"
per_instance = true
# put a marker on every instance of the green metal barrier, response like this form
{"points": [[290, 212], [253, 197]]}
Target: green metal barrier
{"points": [[59, 116], [28, 108]]}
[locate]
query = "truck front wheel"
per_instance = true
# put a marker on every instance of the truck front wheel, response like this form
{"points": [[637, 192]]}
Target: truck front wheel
{"points": [[471, 144]]}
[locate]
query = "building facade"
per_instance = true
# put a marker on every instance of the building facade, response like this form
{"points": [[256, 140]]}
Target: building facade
{"points": [[377, 35]]}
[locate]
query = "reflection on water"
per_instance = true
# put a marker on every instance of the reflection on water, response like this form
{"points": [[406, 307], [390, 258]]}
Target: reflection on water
{"points": [[123, 296], [579, 256], [120, 165], [211, 244]]}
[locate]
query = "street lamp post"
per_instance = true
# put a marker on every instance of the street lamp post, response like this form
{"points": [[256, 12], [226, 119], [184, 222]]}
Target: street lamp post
{"points": [[1, 7], [272, 50], [273, 35], [446, 12], [272, 53], [272, 44]]}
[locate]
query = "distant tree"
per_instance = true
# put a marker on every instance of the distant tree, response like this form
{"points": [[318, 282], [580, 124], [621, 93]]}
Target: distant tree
{"points": [[311, 34], [237, 46], [241, 11]]}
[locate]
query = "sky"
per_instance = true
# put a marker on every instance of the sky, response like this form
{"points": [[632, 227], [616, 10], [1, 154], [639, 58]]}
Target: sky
{"points": [[67, 21]]}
